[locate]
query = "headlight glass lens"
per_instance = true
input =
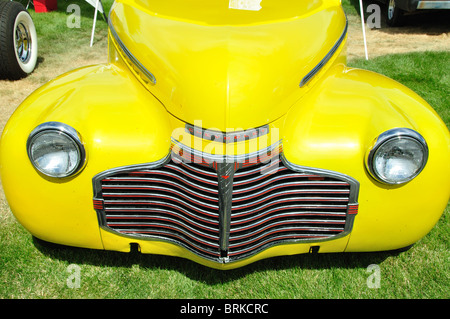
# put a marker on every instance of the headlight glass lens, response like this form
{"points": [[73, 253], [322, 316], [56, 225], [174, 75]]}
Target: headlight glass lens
{"points": [[399, 158], [55, 152]]}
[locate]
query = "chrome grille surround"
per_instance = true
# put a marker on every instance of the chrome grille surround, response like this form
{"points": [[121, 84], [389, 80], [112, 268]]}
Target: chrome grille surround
{"points": [[225, 208]]}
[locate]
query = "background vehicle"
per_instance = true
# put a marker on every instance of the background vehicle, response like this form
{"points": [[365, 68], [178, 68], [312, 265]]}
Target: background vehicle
{"points": [[397, 8], [18, 41]]}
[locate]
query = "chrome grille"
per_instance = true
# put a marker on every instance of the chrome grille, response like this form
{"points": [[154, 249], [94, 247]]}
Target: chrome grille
{"points": [[175, 202], [183, 202], [273, 204]]}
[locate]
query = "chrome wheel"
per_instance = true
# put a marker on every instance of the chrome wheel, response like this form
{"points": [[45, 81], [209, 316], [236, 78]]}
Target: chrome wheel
{"points": [[391, 9], [18, 41], [394, 15], [23, 43]]}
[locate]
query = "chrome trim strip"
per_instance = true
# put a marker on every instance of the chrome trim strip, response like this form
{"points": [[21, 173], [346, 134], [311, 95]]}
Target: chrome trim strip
{"points": [[286, 189], [163, 203], [157, 210], [181, 178], [158, 214], [288, 207], [433, 5], [140, 202], [295, 199], [250, 158], [130, 56], [329, 191], [227, 137], [195, 197], [298, 214], [195, 170], [278, 178], [283, 222], [249, 171], [174, 190], [324, 61], [182, 170]]}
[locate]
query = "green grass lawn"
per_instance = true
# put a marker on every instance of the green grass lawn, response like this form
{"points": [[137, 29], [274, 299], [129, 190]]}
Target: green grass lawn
{"points": [[31, 269], [426, 73]]}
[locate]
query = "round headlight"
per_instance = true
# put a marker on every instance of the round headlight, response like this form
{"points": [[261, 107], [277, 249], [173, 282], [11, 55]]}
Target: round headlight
{"points": [[398, 156], [55, 149]]}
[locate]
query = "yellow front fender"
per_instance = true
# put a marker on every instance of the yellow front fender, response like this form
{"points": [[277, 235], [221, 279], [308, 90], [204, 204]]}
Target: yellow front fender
{"points": [[120, 124], [334, 127]]}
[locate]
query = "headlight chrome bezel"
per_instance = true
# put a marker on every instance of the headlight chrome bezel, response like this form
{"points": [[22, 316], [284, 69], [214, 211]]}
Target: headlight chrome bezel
{"points": [[67, 132], [399, 134]]}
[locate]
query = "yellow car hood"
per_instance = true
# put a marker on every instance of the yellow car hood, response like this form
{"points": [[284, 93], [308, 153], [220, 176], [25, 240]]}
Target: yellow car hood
{"points": [[229, 64]]}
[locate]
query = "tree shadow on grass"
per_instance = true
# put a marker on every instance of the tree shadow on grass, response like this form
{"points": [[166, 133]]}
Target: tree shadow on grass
{"points": [[205, 274]]}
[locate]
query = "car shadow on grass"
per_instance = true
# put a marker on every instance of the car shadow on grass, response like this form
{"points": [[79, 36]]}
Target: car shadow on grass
{"points": [[195, 271]]}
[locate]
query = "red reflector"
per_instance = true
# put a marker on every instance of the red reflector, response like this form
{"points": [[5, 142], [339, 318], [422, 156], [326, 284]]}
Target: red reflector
{"points": [[353, 209], [98, 204]]}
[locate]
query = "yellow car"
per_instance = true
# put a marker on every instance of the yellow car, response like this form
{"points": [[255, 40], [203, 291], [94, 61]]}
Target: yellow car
{"points": [[226, 132]]}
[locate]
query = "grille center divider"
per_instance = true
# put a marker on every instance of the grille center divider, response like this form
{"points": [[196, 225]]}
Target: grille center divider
{"points": [[225, 208]]}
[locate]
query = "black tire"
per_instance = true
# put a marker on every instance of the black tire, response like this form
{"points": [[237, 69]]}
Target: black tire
{"points": [[394, 15], [18, 41]]}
